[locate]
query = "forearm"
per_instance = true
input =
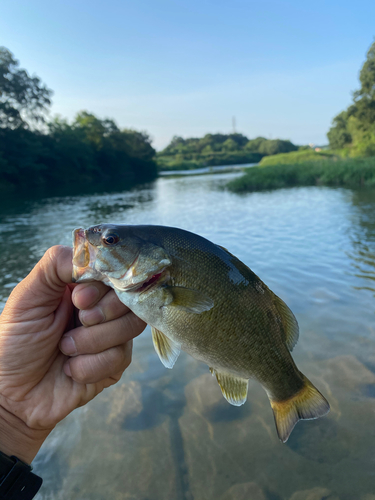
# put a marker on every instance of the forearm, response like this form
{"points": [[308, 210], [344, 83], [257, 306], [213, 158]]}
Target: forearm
{"points": [[17, 439]]}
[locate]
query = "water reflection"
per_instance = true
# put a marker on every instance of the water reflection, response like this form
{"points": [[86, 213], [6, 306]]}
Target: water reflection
{"points": [[169, 433], [363, 238]]}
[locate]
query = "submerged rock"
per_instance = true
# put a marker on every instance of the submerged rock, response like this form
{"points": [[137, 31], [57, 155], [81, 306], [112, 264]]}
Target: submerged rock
{"points": [[244, 491], [314, 494]]}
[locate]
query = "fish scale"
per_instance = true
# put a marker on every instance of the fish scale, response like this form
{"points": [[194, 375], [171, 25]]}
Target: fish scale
{"points": [[200, 298]]}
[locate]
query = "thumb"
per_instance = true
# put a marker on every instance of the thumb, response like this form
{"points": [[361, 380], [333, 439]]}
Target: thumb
{"points": [[41, 291]]}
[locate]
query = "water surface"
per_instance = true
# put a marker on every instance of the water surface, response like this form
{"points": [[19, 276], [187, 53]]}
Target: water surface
{"points": [[169, 434]]}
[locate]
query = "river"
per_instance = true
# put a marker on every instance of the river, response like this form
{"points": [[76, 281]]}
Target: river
{"points": [[169, 434]]}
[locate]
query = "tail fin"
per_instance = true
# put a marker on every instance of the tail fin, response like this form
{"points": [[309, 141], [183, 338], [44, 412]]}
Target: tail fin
{"points": [[307, 404]]}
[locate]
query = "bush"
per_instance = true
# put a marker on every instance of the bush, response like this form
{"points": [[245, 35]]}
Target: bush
{"points": [[296, 157], [350, 173]]}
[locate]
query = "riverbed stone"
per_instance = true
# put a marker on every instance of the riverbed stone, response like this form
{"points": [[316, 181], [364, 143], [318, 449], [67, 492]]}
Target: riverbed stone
{"points": [[126, 401], [316, 493], [244, 491]]}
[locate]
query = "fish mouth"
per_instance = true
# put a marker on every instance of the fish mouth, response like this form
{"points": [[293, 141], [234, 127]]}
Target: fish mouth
{"points": [[151, 282], [84, 255], [129, 283]]}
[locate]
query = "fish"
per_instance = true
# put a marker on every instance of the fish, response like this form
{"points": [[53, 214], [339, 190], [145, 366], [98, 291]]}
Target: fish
{"points": [[199, 298]]}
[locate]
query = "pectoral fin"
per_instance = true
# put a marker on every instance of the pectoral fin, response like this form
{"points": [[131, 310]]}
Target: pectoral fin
{"points": [[189, 300], [168, 351], [234, 389]]}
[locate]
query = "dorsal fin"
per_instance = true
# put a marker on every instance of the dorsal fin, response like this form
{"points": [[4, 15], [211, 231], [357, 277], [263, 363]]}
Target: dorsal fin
{"points": [[223, 248], [288, 321]]}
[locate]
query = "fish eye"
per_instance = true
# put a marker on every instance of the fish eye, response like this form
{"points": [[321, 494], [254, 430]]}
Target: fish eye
{"points": [[111, 239]]}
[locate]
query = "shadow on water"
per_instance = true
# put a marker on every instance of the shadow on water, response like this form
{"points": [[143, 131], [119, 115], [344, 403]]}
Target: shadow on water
{"points": [[60, 467], [369, 389], [168, 402], [307, 439], [224, 412]]}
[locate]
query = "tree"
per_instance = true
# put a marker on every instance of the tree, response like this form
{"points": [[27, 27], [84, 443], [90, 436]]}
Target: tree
{"points": [[355, 127], [367, 77], [23, 99], [230, 145], [254, 144], [276, 146], [338, 135]]}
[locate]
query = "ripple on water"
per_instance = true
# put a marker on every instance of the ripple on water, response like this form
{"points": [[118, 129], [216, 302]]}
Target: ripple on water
{"points": [[170, 434]]}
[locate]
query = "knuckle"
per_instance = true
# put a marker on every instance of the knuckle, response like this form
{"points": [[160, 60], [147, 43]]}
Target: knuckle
{"points": [[55, 252], [83, 369]]}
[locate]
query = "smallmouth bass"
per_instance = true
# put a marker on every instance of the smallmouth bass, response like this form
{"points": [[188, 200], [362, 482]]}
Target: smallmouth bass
{"points": [[198, 297]]}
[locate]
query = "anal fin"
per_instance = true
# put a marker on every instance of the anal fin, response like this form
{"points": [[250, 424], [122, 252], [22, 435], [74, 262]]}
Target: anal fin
{"points": [[168, 351], [234, 389]]}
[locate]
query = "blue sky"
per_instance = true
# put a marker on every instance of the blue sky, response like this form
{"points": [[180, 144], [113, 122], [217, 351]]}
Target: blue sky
{"points": [[283, 69]]}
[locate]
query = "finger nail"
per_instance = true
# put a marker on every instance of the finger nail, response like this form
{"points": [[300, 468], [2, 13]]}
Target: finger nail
{"points": [[66, 369], [90, 317], [68, 346]]}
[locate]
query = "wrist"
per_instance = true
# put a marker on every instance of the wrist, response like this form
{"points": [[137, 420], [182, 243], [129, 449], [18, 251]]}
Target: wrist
{"points": [[17, 439]]}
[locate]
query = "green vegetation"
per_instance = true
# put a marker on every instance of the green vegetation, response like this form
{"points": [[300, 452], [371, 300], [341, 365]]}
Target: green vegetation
{"points": [[35, 154], [356, 172], [218, 149], [354, 128], [305, 155], [350, 162]]}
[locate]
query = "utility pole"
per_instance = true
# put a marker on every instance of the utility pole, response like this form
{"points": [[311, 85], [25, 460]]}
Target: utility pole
{"points": [[234, 124]]}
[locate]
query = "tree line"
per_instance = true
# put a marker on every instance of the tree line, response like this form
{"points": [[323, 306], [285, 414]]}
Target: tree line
{"points": [[354, 128], [36, 153], [220, 149]]}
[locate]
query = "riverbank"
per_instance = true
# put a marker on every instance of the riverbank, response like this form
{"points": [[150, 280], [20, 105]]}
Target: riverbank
{"points": [[175, 162], [357, 172], [221, 169]]}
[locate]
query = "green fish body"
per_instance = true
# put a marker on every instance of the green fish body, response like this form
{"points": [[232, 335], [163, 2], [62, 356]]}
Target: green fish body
{"points": [[200, 298]]}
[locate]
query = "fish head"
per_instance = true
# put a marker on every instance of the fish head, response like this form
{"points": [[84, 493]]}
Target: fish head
{"points": [[117, 256]]}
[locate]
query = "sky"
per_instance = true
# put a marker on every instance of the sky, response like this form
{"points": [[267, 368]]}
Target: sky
{"points": [[283, 69]]}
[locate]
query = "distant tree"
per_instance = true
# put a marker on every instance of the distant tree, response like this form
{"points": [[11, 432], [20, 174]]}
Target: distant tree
{"points": [[254, 144], [23, 99], [276, 146], [230, 145], [207, 150], [240, 139]]}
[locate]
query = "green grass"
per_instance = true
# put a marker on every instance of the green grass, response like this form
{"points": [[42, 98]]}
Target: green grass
{"points": [[349, 173], [296, 157]]}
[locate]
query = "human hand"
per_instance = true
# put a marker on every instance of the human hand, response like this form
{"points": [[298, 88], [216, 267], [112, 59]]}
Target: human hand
{"points": [[48, 367]]}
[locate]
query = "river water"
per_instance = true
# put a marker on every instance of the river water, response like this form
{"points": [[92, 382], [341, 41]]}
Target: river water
{"points": [[168, 434]]}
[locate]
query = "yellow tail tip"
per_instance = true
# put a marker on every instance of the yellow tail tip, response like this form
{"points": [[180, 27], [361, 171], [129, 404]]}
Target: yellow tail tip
{"points": [[307, 404]]}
